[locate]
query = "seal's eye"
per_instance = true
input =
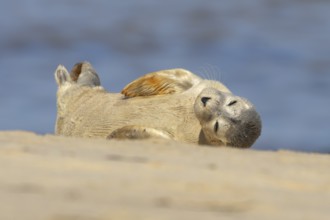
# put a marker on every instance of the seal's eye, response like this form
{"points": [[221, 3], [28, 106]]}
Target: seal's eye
{"points": [[204, 100], [216, 127], [232, 103]]}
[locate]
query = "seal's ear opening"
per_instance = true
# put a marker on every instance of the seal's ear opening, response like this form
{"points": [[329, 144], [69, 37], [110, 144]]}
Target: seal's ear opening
{"points": [[84, 74], [62, 75]]}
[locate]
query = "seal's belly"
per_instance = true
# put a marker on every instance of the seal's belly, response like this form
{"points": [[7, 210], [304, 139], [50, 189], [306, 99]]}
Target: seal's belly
{"points": [[93, 119]]}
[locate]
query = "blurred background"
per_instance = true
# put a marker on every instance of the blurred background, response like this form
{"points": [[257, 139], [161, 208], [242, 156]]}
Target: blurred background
{"points": [[276, 53]]}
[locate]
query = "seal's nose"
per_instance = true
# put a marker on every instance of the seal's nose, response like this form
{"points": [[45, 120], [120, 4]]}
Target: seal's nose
{"points": [[204, 100]]}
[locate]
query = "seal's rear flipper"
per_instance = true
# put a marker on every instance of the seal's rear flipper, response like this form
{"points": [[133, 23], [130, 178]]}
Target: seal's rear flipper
{"points": [[138, 132], [161, 82], [84, 74], [62, 75]]}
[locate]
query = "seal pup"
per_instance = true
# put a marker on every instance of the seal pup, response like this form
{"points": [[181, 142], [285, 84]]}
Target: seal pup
{"points": [[173, 104]]}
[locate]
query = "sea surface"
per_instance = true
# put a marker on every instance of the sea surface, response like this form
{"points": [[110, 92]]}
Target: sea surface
{"points": [[276, 53]]}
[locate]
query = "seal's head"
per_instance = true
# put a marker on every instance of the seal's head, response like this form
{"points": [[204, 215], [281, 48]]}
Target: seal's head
{"points": [[227, 119]]}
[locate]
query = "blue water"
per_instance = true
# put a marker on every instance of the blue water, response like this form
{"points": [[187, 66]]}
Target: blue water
{"points": [[274, 52]]}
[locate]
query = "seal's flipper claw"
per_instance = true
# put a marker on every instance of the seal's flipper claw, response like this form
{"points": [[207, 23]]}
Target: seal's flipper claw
{"points": [[138, 132], [161, 82], [62, 75]]}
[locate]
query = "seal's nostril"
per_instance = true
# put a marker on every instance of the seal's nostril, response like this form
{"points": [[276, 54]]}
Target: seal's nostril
{"points": [[232, 103], [204, 100]]}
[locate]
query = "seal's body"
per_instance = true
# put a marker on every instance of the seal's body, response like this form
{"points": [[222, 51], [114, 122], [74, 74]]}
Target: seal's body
{"points": [[167, 104], [97, 113]]}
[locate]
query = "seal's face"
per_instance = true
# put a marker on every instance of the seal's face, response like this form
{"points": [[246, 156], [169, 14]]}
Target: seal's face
{"points": [[227, 119]]}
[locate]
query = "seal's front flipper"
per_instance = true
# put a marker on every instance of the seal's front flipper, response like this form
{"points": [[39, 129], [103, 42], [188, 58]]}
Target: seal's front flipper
{"points": [[138, 132], [161, 82]]}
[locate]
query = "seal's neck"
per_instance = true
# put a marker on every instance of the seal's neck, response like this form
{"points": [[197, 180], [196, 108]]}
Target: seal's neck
{"points": [[217, 85], [210, 84]]}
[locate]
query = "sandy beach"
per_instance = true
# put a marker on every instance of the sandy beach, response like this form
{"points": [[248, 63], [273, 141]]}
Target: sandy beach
{"points": [[60, 178]]}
